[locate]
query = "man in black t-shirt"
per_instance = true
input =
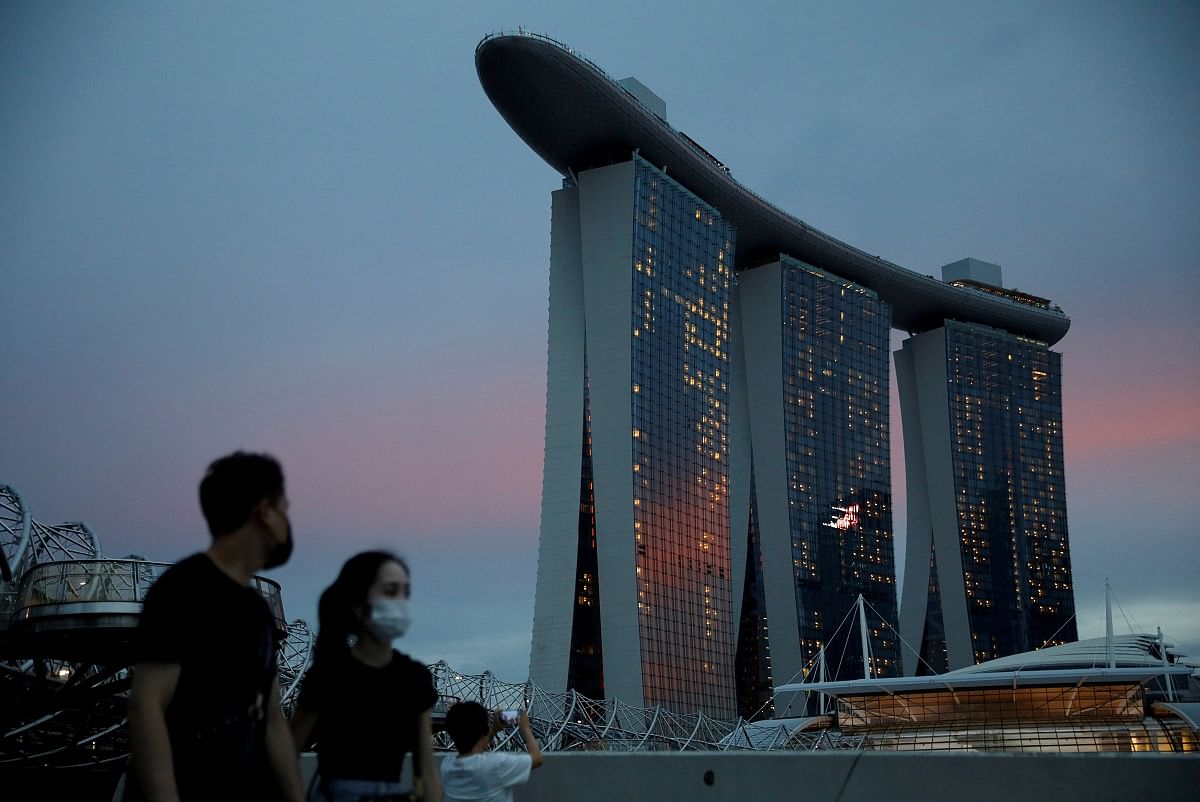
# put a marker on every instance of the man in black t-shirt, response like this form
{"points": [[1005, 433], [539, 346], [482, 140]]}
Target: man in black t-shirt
{"points": [[204, 712]]}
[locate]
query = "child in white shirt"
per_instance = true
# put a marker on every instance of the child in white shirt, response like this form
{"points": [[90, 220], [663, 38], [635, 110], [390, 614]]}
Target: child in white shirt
{"points": [[475, 774]]}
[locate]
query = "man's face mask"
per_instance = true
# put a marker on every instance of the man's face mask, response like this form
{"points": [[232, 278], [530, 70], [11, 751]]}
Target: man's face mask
{"points": [[280, 552]]}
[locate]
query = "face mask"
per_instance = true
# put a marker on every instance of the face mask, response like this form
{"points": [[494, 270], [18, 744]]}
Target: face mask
{"points": [[281, 552], [389, 619]]}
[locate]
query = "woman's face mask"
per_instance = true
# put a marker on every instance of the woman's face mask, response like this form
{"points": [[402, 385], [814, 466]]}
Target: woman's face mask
{"points": [[389, 619]]}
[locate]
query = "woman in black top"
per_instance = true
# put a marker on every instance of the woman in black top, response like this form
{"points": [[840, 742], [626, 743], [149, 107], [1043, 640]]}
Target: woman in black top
{"points": [[365, 704]]}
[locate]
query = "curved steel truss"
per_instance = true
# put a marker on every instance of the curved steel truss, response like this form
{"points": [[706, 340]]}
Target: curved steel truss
{"points": [[25, 542], [71, 712], [569, 721]]}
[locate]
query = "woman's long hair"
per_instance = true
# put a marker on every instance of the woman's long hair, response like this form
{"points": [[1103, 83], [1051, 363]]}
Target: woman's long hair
{"points": [[337, 614]]}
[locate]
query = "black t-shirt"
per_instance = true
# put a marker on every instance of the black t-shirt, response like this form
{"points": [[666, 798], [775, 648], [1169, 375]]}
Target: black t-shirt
{"points": [[367, 717], [223, 636]]}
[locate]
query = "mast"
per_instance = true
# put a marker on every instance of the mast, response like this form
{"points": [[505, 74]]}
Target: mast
{"points": [[1108, 632], [862, 629], [1162, 652], [821, 678]]}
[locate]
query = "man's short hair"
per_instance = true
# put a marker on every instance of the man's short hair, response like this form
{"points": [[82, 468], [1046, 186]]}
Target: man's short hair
{"points": [[233, 485], [467, 722]]}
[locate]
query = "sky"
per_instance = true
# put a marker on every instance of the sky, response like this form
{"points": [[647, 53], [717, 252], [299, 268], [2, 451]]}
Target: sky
{"points": [[302, 228]]}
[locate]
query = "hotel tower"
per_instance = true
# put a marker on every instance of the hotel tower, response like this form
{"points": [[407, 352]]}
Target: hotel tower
{"points": [[717, 488], [988, 569]]}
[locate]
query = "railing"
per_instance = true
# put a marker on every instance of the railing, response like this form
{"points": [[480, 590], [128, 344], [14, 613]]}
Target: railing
{"points": [[76, 581], [109, 581]]}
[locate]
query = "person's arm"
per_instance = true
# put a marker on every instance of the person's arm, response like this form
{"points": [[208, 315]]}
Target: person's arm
{"points": [[531, 742], [301, 725], [281, 753], [430, 774], [151, 690]]}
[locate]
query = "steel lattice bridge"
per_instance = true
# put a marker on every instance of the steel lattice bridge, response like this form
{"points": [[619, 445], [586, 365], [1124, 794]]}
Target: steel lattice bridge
{"points": [[68, 615], [570, 721]]}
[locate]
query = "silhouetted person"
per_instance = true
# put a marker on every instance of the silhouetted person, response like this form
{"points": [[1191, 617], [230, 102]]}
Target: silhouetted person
{"points": [[475, 774], [204, 713], [366, 704]]}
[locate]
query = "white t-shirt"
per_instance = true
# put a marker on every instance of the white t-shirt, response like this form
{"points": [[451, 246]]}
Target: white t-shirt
{"points": [[486, 777]]}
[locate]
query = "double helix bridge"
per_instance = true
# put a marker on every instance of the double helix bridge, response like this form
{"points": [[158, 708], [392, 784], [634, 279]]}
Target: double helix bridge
{"points": [[68, 616]]}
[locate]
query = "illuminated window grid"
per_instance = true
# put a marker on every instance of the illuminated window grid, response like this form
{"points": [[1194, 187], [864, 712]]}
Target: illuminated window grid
{"points": [[835, 371], [1006, 409], [682, 275]]}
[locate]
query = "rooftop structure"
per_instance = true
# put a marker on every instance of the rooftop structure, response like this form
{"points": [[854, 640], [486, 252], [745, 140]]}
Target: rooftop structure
{"points": [[577, 117]]}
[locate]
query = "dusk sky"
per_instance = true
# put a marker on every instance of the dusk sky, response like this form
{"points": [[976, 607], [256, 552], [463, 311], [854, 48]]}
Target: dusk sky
{"points": [[302, 228]]}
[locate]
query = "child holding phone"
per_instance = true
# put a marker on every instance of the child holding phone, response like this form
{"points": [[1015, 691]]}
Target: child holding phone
{"points": [[476, 774]]}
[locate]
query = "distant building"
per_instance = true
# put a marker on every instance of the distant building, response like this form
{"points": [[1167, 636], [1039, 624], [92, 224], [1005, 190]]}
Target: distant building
{"points": [[717, 484]]}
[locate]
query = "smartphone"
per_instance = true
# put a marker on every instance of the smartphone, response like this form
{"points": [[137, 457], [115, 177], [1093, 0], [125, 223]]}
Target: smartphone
{"points": [[509, 716]]}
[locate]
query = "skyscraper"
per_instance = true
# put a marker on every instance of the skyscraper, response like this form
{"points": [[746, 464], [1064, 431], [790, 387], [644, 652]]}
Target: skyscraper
{"points": [[717, 487], [988, 571], [635, 512], [816, 372]]}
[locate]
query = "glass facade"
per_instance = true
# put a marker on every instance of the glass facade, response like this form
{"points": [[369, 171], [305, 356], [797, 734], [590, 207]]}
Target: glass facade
{"points": [[1070, 718], [934, 659], [835, 364], [1006, 424], [585, 672], [681, 289]]}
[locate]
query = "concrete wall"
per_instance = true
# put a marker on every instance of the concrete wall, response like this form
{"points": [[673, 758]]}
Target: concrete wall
{"points": [[554, 597], [841, 777], [921, 379], [863, 776], [762, 344], [606, 223]]}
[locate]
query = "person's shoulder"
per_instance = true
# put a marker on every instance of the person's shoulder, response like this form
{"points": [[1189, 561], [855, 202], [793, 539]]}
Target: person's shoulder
{"points": [[182, 574], [508, 758], [198, 564], [404, 665]]}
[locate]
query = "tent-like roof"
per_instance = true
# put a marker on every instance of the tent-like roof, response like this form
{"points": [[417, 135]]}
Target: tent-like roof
{"points": [[1136, 659], [1128, 651]]}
